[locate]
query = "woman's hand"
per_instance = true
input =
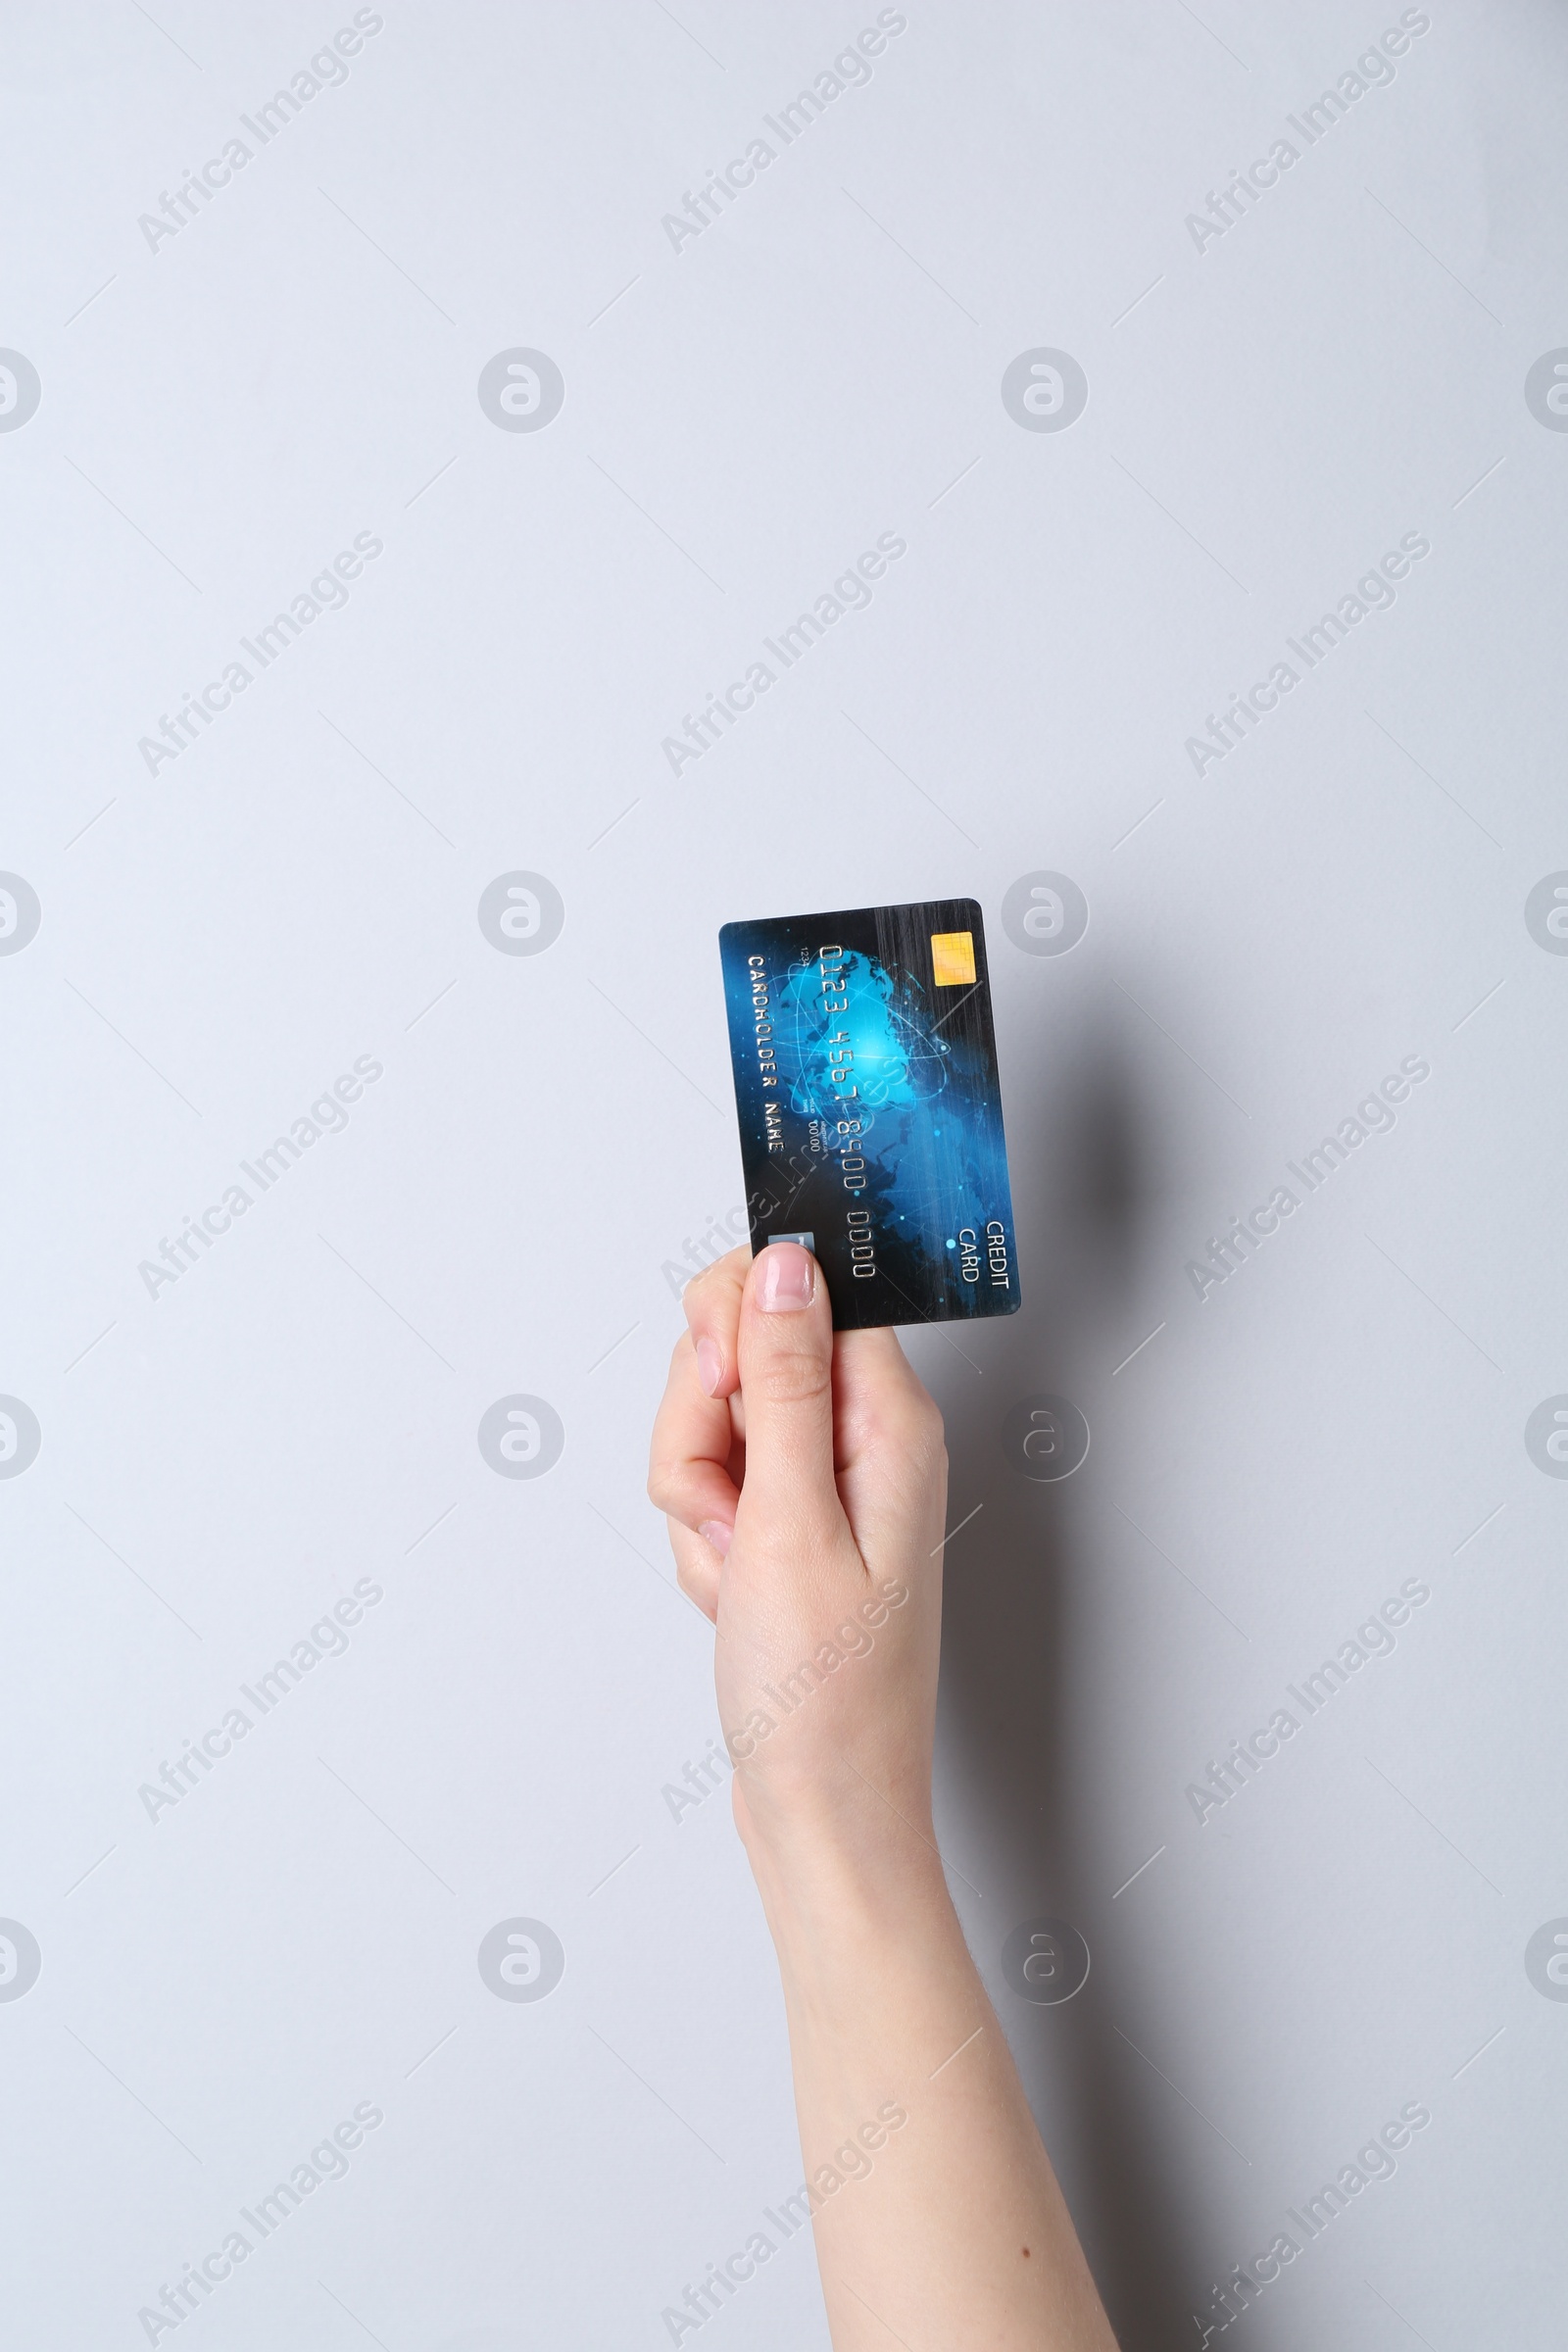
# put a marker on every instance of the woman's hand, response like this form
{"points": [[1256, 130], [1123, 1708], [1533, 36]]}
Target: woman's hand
{"points": [[805, 1481]]}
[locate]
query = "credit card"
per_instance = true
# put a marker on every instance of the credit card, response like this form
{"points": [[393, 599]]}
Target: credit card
{"points": [[870, 1113]]}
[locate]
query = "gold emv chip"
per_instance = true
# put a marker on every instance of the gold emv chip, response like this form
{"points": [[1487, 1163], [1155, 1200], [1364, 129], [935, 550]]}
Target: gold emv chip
{"points": [[953, 959]]}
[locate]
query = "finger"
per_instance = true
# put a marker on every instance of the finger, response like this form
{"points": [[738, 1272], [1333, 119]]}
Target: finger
{"points": [[697, 1568], [688, 1470], [890, 1451], [713, 1303], [786, 1362], [879, 1399]]}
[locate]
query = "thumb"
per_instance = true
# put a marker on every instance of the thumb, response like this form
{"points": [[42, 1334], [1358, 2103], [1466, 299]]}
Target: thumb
{"points": [[786, 1368]]}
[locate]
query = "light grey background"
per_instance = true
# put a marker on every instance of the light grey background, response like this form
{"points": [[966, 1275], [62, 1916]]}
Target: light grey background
{"points": [[512, 1202]]}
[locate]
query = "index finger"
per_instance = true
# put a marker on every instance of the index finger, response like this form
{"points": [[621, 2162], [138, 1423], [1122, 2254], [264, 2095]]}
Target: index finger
{"points": [[712, 1305], [689, 1458]]}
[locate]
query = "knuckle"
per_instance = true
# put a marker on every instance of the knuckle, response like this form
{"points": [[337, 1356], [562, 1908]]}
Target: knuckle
{"points": [[931, 1431], [711, 1282], [923, 1461], [796, 1378], [661, 1485], [912, 1421]]}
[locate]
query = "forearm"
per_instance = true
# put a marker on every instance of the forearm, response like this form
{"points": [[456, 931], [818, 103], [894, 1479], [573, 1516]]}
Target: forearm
{"points": [[937, 2216]]}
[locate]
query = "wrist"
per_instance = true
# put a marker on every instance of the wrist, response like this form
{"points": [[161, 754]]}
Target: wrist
{"points": [[841, 1900]]}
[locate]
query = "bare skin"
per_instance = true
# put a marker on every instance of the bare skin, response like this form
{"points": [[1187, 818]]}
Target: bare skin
{"points": [[805, 1481]]}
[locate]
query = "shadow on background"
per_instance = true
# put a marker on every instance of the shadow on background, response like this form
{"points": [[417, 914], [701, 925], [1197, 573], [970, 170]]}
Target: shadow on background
{"points": [[1015, 1629]]}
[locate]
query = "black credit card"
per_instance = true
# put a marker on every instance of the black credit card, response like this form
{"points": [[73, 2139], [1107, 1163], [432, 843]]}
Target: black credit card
{"points": [[870, 1113]]}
